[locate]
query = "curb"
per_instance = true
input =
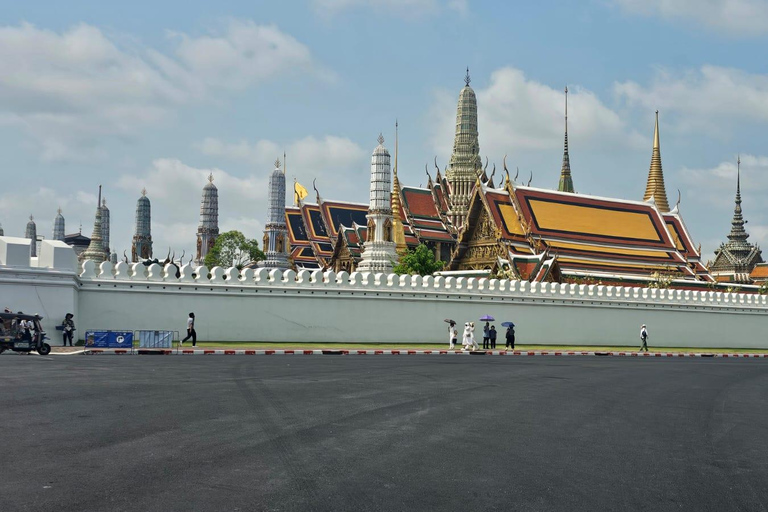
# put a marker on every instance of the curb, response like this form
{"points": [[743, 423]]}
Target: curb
{"points": [[264, 352]]}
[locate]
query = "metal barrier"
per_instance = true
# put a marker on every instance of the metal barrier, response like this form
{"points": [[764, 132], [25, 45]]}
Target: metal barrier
{"points": [[106, 338]]}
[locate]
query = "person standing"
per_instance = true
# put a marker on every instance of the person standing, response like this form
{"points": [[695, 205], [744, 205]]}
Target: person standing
{"points": [[191, 330], [510, 337], [492, 334], [472, 336], [486, 336], [69, 327], [644, 337], [453, 335]]}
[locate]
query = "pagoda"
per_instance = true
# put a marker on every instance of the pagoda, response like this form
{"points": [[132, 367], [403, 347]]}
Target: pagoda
{"points": [[736, 258]]}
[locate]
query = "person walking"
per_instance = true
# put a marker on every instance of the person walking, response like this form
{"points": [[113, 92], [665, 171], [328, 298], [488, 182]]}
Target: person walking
{"points": [[510, 338], [492, 334], [191, 330], [486, 336], [643, 337], [472, 336], [453, 335], [68, 327]]}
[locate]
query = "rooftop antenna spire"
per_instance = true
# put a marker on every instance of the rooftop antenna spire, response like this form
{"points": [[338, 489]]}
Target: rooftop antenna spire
{"points": [[285, 164], [98, 203], [396, 137]]}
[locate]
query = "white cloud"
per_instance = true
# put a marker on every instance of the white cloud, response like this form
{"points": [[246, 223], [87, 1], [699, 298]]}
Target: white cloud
{"points": [[712, 99], [339, 164], [516, 113], [69, 90], [175, 189], [734, 17], [403, 8]]}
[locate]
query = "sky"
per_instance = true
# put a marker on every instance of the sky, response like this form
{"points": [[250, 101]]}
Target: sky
{"points": [[158, 95]]}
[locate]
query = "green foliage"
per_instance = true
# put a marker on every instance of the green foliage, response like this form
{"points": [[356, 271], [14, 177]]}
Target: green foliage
{"points": [[662, 280], [420, 260], [232, 249], [763, 290]]}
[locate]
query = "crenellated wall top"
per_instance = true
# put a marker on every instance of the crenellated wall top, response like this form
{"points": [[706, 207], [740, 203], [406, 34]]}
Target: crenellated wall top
{"points": [[365, 281]]}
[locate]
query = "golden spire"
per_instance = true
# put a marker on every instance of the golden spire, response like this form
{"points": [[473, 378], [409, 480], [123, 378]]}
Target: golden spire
{"points": [[398, 231], [655, 187]]}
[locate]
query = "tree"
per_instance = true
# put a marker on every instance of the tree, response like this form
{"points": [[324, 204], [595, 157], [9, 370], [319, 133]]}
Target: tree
{"points": [[420, 260], [232, 249]]}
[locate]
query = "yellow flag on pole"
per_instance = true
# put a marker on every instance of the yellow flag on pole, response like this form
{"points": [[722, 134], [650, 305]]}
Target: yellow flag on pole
{"points": [[299, 192]]}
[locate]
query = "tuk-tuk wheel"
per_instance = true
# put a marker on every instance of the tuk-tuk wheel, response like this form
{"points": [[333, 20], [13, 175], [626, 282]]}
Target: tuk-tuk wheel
{"points": [[44, 349]]}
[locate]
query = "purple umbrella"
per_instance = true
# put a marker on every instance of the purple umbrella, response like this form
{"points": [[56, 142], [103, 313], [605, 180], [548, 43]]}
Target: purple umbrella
{"points": [[487, 318]]}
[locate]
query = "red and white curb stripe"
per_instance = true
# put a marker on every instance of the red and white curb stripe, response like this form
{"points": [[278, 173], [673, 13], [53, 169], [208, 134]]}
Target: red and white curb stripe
{"points": [[266, 352]]}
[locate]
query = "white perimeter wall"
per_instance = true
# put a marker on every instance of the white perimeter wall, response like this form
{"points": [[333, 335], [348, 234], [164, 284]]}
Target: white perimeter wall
{"points": [[270, 306]]}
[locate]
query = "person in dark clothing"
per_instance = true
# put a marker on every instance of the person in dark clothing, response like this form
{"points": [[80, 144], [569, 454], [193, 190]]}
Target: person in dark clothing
{"points": [[510, 337], [191, 330], [69, 328], [492, 333], [486, 336]]}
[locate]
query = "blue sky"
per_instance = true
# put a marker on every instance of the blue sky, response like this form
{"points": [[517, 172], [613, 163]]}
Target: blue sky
{"points": [[159, 94]]}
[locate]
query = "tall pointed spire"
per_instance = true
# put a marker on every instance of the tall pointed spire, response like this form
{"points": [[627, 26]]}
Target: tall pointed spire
{"points": [[398, 231], [566, 182], [95, 250], [465, 164], [655, 186], [738, 235], [735, 259]]}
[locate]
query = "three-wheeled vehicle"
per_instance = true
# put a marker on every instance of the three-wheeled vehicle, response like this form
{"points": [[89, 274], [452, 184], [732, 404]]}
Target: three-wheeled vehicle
{"points": [[16, 334]]}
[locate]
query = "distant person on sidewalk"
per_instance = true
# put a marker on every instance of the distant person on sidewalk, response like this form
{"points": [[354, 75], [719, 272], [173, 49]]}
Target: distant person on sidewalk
{"points": [[69, 328], [191, 330], [486, 336], [453, 335], [644, 337], [510, 337], [492, 334]]}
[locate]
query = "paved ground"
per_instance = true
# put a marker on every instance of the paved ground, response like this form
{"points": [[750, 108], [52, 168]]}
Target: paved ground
{"points": [[159, 433]]}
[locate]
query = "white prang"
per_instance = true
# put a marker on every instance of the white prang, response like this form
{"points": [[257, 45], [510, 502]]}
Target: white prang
{"points": [[379, 248]]}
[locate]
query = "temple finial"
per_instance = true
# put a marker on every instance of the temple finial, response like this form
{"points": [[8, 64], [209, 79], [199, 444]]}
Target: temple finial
{"points": [[566, 181], [98, 201], [210, 177], [466, 78], [59, 210], [31, 217], [277, 163], [143, 192], [396, 140], [285, 164], [380, 139], [655, 185]]}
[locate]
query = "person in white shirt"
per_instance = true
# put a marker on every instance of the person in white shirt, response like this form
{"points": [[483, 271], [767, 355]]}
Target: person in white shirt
{"points": [[453, 335], [191, 330], [643, 337]]}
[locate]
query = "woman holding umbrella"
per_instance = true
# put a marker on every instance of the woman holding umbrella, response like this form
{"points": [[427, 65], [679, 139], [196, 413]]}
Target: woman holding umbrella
{"points": [[510, 334]]}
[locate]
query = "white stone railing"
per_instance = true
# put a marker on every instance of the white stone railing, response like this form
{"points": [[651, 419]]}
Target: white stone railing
{"points": [[217, 276]]}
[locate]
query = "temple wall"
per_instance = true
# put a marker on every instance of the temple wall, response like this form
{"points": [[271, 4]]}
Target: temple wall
{"points": [[266, 305]]}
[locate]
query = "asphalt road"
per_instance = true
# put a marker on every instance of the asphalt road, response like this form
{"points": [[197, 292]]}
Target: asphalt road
{"points": [[399, 433]]}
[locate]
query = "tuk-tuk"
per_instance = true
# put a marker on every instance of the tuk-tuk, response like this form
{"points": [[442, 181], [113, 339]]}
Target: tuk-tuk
{"points": [[17, 336]]}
